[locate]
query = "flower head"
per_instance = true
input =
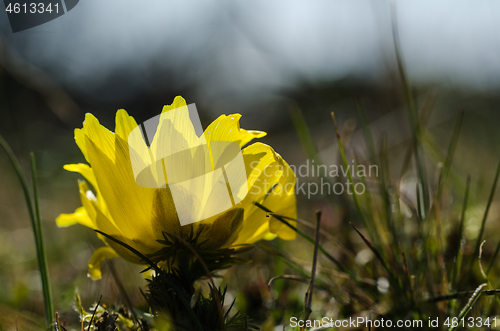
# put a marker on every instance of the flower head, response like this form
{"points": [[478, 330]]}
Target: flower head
{"points": [[142, 216]]}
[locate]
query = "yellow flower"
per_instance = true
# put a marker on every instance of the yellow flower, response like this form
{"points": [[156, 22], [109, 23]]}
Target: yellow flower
{"points": [[138, 216]]}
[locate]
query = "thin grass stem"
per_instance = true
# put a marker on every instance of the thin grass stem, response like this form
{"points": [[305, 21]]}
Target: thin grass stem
{"points": [[382, 261], [485, 217], [93, 314], [414, 119], [310, 290], [303, 131], [458, 252], [451, 153], [34, 213], [473, 299], [44, 268]]}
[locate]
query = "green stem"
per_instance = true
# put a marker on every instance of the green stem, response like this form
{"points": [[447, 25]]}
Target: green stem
{"points": [[35, 223], [485, 217], [458, 253], [450, 154], [43, 265], [415, 124]]}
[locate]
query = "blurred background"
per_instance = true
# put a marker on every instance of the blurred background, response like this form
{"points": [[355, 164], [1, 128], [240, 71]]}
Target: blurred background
{"points": [[262, 59]]}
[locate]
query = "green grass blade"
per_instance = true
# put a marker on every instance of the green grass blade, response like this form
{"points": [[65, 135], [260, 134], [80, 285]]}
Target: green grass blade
{"points": [[382, 261], [420, 212], [44, 268], [406, 271], [485, 217], [366, 131], [473, 299], [304, 135], [307, 143], [381, 184], [384, 191], [34, 224], [414, 121], [458, 251], [434, 153], [24, 183], [451, 153], [310, 290]]}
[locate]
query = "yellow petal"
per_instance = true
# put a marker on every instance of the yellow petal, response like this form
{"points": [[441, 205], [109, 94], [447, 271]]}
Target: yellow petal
{"points": [[85, 193], [124, 124], [128, 203], [84, 170], [259, 162], [88, 200], [80, 216], [282, 205], [146, 244], [143, 165], [101, 254], [255, 226], [80, 142], [178, 103], [96, 132], [267, 170], [99, 135], [175, 132], [164, 218], [227, 128], [258, 159], [178, 115], [269, 236], [105, 223], [282, 201]]}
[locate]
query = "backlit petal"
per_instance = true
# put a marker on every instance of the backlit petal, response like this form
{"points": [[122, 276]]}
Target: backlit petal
{"points": [[267, 175], [124, 124], [100, 255], [80, 216], [177, 103], [128, 203], [227, 128]]}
